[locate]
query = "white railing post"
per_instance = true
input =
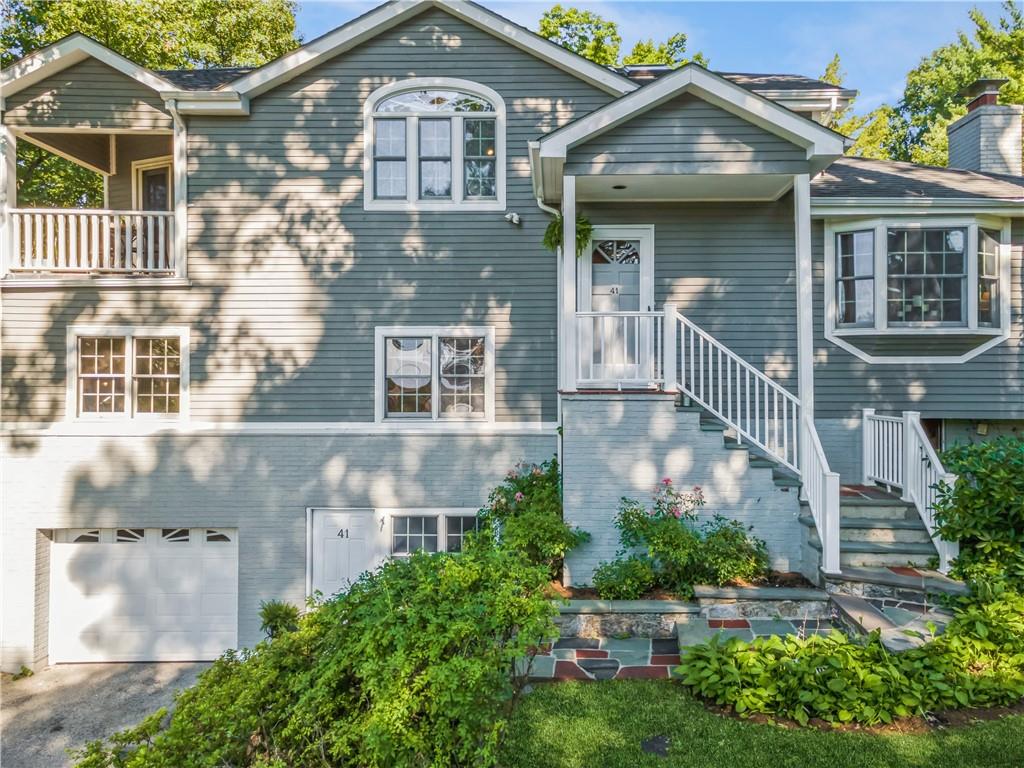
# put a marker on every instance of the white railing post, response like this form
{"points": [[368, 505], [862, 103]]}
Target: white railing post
{"points": [[867, 448], [670, 343], [910, 453], [830, 546]]}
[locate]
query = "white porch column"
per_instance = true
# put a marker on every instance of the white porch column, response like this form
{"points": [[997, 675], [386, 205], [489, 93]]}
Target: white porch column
{"points": [[804, 292], [570, 364], [8, 195], [179, 169]]}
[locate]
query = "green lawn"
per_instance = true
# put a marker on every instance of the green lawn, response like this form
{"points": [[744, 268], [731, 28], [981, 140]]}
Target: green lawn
{"points": [[601, 725]]}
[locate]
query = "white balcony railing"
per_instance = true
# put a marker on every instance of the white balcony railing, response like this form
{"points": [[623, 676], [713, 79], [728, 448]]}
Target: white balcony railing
{"points": [[618, 349], [91, 241], [898, 453], [821, 490]]}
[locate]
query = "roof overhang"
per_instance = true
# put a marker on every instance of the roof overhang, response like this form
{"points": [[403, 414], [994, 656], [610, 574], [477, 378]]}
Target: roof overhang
{"points": [[822, 145], [851, 207], [386, 16], [67, 52]]}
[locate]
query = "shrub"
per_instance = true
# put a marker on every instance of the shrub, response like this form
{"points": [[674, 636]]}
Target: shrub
{"points": [[984, 510], [677, 553], [624, 579], [278, 617], [414, 666], [525, 514], [728, 553], [978, 661]]}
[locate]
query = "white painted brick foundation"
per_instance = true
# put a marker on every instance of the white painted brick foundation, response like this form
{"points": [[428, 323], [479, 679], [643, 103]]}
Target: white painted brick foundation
{"points": [[623, 445], [259, 484]]}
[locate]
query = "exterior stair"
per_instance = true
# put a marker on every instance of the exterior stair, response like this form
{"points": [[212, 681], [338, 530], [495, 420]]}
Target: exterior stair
{"points": [[782, 477], [876, 531]]}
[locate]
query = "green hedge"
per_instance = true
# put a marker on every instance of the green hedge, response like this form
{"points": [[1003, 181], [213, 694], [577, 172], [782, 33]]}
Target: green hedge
{"points": [[415, 666], [978, 661]]}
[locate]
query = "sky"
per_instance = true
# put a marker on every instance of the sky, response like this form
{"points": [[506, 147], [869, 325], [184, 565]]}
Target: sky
{"points": [[878, 42]]}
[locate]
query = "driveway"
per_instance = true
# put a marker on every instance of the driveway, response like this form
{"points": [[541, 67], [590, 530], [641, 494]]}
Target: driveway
{"points": [[70, 704]]}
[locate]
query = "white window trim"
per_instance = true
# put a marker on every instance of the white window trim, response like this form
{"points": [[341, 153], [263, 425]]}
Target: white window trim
{"points": [[433, 331], [149, 164], [412, 200], [129, 332], [836, 333], [441, 513]]}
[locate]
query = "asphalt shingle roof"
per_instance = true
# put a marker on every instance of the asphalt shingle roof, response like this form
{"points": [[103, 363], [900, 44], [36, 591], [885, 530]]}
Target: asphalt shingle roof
{"points": [[775, 82], [202, 79], [860, 177]]}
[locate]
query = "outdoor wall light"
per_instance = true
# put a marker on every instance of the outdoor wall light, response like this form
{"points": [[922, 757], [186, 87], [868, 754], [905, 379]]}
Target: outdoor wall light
{"points": [[513, 218]]}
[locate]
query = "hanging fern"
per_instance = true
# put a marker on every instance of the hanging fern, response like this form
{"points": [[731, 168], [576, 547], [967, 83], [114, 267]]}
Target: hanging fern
{"points": [[553, 234]]}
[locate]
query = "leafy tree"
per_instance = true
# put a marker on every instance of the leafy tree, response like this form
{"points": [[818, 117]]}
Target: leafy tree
{"points": [[583, 32], [596, 38], [672, 52], [159, 34]]}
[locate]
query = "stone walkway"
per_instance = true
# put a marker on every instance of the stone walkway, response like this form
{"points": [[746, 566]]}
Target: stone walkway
{"points": [[610, 658]]}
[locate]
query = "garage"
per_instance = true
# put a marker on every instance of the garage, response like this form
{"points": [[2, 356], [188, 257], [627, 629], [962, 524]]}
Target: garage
{"points": [[143, 594]]}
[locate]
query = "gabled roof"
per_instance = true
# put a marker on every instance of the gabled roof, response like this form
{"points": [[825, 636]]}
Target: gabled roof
{"points": [[861, 178], [393, 13], [692, 78], [767, 82], [67, 52]]}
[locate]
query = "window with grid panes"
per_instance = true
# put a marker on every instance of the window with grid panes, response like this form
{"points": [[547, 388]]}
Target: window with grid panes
{"points": [[436, 377], [102, 375], [456, 528], [157, 374], [129, 375], [413, 533], [927, 275]]}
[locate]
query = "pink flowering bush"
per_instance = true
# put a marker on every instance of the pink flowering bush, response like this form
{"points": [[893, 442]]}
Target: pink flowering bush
{"points": [[678, 553], [524, 513]]}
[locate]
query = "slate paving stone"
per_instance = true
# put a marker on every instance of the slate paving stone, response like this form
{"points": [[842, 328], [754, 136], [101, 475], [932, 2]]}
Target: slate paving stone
{"points": [[669, 659], [728, 623], [693, 632], [566, 654], [899, 616], [567, 670], [642, 673], [543, 667], [631, 658], [635, 644], [664, 645], [577, 642], [762, 627], [588, 653], [601, 669]]}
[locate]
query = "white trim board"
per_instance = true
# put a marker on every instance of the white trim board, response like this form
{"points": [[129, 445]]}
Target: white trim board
{"points": [[815, 138]]}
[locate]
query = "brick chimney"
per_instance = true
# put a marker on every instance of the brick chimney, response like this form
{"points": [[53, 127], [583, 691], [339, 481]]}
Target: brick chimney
{"points": [[988, 137]]}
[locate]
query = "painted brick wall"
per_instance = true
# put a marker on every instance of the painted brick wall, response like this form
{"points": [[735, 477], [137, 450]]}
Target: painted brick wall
{"points": [[623, 445], [259, 484]]}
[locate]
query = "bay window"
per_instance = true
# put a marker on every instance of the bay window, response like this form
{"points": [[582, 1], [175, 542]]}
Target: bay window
{"points": [[899, 276], [434, 144]]}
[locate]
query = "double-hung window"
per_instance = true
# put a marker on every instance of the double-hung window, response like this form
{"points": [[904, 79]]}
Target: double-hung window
{"points": [[435, 374], [988, 277], [127, 372], [434, 144], [926, 273]]}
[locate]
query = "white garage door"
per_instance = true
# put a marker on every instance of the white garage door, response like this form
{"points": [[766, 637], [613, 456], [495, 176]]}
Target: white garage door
{"points": [[143, 594]]}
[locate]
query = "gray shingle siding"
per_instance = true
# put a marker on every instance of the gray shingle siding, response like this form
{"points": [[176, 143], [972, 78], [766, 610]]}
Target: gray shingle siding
{"points": [[290, 275], [686, 135], [89, 94]]}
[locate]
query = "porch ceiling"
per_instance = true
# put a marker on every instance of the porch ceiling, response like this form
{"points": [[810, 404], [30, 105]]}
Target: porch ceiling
{"points": [[687, 187], [90, 150]]}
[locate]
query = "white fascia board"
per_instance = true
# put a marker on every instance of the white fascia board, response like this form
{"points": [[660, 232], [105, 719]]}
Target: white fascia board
{"points": [[834, 207], [386, 16], [67, 52], [210, 102], [716, 90]]}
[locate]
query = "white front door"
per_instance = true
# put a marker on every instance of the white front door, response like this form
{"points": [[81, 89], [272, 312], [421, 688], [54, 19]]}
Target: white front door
{"points": [[143, 594], [617, 278], [345, 544]]}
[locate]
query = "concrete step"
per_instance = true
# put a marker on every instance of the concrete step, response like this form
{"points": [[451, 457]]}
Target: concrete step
{"points": [[869, 553], [901, 626], [783, 478], [883, 531], [712, 425], [899, 584], [881, 509]]}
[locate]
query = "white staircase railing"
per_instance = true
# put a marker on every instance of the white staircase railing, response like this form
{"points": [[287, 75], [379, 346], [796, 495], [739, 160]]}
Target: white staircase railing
{"points": [[758, 409], [898, 453], [821, 490], [619, 348]]}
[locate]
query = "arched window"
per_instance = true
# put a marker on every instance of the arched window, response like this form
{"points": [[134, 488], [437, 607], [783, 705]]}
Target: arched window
{"points": [[434, 144]]}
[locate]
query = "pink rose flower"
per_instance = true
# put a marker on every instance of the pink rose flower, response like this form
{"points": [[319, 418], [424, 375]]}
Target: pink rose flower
{"points": [[666, 481], [519, 496]]}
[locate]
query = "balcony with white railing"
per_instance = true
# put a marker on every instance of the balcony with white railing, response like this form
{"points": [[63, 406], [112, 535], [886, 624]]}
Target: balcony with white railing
{"points": [[88, 242]]}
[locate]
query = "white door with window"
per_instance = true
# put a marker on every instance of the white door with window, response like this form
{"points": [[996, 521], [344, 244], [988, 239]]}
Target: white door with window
{"points": [[345, 543], [616, 282], [143, 594]]}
